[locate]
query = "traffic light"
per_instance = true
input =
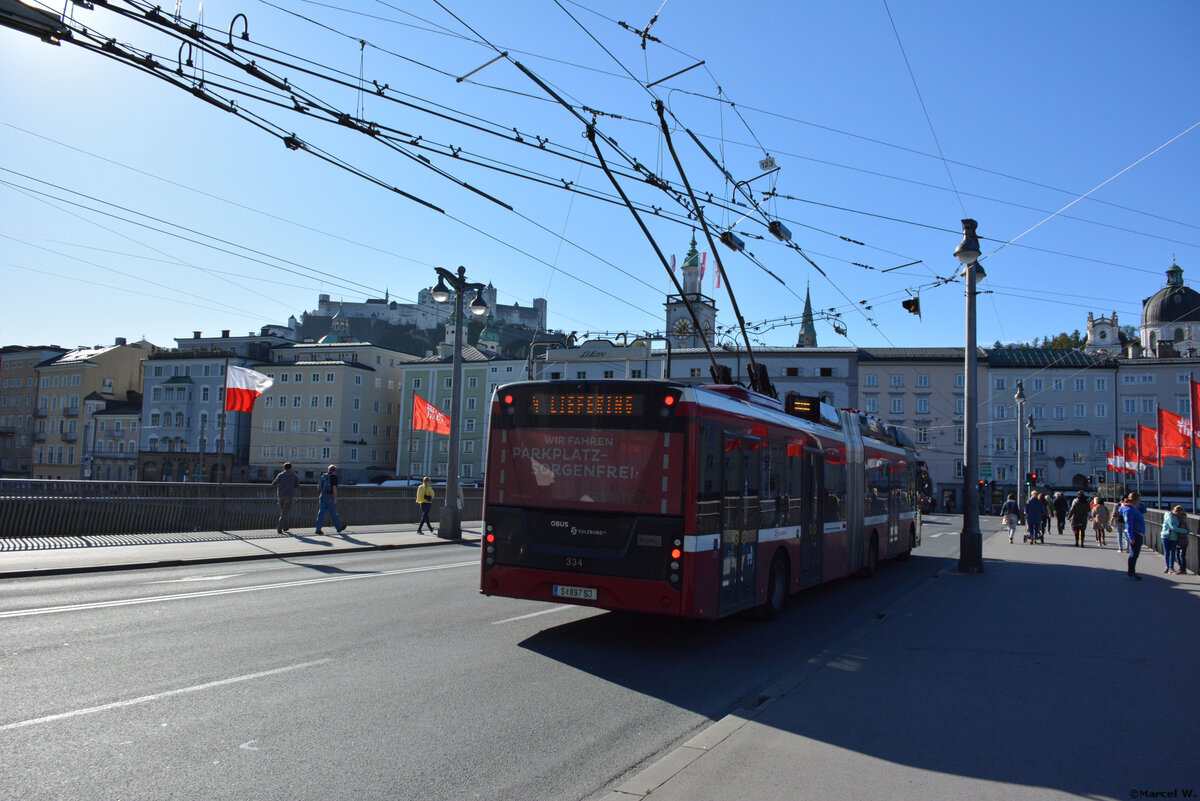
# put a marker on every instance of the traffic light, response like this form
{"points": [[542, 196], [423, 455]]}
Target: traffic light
{"points": [[912, 306], [1030, 479]]}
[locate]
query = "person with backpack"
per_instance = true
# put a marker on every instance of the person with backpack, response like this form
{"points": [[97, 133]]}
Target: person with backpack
{"points": [[327, 485]]}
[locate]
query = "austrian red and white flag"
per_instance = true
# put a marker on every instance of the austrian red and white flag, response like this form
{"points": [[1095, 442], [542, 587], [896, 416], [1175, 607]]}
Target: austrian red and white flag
{"points": [[427, 417], [1118, 460], [1147, 446], [242, 388], [1132, 463], [1175, 434]]}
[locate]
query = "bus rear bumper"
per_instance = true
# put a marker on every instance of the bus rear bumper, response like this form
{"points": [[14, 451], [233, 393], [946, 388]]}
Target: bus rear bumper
{"points": [[613, 593]]}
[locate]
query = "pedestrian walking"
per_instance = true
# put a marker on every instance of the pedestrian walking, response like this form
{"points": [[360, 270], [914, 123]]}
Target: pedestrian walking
{"points": [[1035, 515], [285, 484], [1118, 520], [1182, 545], [425, 501], [1100, 520], [1061, 505], [1079, 512], [1133, 512], [327, 484], [1172, 530], [1010, 514]]}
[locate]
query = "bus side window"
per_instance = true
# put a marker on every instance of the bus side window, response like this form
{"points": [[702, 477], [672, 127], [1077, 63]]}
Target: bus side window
{"points": [[708, 477]]}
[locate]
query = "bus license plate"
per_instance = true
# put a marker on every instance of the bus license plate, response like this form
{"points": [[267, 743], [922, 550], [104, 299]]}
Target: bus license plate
{"points": [[576, 593]]}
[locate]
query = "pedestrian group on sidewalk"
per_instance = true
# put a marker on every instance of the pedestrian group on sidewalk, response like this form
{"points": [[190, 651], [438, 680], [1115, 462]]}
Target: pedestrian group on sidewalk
{"points": [[1128, 518]]}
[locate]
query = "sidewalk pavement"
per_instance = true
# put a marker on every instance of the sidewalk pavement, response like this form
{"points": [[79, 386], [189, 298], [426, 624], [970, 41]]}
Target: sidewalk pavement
{"points": [[1051, 675], [29, 556]]}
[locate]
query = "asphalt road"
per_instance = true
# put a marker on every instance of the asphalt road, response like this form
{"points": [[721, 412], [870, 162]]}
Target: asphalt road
{"points": [[373, 675]]}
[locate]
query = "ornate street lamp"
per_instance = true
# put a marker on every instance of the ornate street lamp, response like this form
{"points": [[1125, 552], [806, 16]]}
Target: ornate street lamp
{"points": [[451, 521], [970, 543]]}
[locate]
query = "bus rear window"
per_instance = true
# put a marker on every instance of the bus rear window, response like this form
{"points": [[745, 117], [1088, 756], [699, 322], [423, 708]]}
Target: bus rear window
{"points": [[634, 472]]}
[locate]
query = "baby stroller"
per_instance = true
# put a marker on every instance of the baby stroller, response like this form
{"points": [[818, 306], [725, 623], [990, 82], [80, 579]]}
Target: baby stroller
{"points": [[1034, 533]]}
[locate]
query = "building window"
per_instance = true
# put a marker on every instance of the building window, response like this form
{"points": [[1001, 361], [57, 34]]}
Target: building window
{"points": [[1102, 385], [1129, 405], [872, 404], [958, 435], [694, 372], [1100, 444], [1060, 412], [295, 401], [358, 380], [470, 404], [472, 382], [354, 427], [1058, 385], [960, 404], [416, 384], [897, 380], [283, 378], [897, 405], [357, 404], [870, 380], [999, 382], [998, 444], [316, 378], [1079, 384], [998, 412], [448, 382], [960, 380], [958, 468], [922, 435], [1081, 410], [354, 454], [1039, 445], [469, 425], [922, 380], [329, 378], [328, 401], [281, 425], [638, 373], [1038, 385], [922, 405], [580, 374], [469, 446], [314, 402], [608, 373], [1039, 412]]}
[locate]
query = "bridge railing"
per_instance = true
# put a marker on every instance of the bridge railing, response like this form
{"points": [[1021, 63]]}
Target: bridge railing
{"points": [[45, 508]]}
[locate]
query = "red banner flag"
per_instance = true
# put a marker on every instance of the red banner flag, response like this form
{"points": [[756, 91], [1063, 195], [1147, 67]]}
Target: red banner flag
{"points": [[242, 388], [703, 258], [1175, 434], [1119, 461], [427, 417], [1148, 446]]}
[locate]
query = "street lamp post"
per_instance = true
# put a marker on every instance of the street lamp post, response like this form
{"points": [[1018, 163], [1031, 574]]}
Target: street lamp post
{"points": [[450, 527], [1029, 448], [970, 554], [1020, 399]]}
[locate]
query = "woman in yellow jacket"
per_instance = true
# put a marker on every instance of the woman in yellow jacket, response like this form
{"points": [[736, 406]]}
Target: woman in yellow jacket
{"points": [[425, 501]]}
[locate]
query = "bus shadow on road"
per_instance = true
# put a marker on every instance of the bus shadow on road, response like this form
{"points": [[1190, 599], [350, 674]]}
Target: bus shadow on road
{"points": [[715, 667], [1045, 676]]}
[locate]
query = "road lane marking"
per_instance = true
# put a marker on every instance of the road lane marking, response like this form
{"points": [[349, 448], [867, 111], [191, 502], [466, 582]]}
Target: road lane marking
{"points": [[228, 591], [532, 614], [195, 578], [159, 696]]}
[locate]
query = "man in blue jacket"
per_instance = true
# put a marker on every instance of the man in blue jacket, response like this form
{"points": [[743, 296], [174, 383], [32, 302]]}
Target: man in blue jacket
{"points": [[1132, 511]]}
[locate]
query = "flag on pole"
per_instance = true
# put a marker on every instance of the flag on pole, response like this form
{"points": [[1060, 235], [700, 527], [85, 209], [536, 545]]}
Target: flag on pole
{"points": [[703, 258], [1110, 462], [1131, 455], [717, 277], [242, 388], [672, 264], [1175, 434], [1118, 460], [427, 417], [1147, 446]]}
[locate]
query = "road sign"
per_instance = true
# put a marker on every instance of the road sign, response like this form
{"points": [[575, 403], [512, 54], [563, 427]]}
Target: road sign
{"points": [[985, 470]]}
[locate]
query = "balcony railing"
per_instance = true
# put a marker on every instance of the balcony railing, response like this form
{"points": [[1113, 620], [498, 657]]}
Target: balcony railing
{"points": [[70, 411]]}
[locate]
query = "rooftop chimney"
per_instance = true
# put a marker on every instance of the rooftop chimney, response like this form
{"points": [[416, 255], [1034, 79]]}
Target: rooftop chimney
{"points": [[225, 333], [121, 341], [195, 335]]}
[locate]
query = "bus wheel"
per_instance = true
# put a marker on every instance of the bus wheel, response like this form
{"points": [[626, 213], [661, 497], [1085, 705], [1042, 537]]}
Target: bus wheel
{"points": [[872, 564], [777, 587], [912, 543]]}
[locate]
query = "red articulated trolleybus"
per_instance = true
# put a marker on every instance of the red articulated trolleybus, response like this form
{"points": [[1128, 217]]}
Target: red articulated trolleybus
{"points": [[692, 501]]}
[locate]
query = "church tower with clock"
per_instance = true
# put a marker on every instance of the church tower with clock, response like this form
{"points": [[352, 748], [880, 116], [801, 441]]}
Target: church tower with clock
{"points": [[680, 327]]}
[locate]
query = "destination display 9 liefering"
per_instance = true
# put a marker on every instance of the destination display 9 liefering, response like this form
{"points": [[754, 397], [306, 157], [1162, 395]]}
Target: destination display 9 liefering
{"points": [[590, 404]]}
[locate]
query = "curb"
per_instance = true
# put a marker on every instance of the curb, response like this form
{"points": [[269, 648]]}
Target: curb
{"points": [[213, 560]]}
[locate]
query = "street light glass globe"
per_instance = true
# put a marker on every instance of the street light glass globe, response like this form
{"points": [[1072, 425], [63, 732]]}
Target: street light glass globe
{"points": [[440, 293]]}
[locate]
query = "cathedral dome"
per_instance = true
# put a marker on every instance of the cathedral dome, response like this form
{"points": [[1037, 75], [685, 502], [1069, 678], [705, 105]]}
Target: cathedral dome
{"points": [[1174, 303]]}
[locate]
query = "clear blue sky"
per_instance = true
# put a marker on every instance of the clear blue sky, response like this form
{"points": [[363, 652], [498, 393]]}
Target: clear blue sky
{"points": [[1032, 104]]}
